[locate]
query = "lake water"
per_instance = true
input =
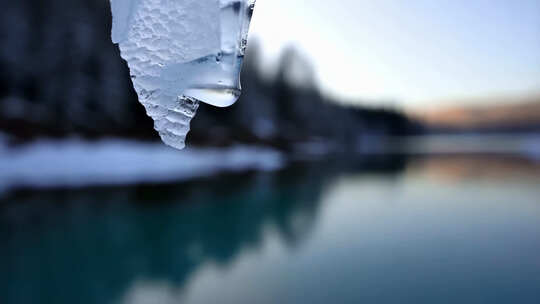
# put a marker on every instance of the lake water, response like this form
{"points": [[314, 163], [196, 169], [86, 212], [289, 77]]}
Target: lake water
{"points": [[448, 229]]}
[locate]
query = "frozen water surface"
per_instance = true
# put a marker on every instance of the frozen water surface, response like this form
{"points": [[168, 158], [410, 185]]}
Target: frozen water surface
{"points": [[180, 53]]}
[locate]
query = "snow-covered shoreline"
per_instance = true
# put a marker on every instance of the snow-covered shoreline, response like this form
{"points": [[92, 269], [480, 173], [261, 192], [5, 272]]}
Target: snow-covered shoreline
{"points": [[75, 163]]}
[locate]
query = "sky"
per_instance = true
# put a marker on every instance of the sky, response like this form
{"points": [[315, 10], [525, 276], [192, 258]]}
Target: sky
{"points": [[409, 53]]}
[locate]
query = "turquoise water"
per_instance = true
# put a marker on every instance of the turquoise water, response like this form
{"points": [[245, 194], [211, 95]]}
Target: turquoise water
{"points": [[378, 230]]}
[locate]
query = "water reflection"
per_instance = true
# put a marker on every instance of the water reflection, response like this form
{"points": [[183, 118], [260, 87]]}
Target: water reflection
{"points": [[335, 230], [87, 246], [460, 168]]}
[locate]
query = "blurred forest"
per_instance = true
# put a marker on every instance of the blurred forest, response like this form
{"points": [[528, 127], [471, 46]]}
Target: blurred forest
{"points": [[62, 76]]}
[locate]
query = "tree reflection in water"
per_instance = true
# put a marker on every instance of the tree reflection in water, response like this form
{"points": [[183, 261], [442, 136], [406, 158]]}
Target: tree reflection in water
{"points": [[90, 245]]}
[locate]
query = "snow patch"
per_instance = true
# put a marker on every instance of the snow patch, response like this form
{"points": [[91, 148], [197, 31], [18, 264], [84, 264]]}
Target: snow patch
{"points": [[74, 163]]}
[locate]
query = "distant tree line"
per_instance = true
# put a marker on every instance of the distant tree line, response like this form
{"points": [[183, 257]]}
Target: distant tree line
{"points": [[62, 76]]}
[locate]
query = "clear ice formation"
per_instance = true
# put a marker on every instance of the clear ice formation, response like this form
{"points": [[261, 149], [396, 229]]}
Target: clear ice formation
{"points": [[181, 52]]}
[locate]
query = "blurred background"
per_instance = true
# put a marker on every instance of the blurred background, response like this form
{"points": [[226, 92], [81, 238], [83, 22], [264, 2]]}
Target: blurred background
{"points": [[381, 151]]}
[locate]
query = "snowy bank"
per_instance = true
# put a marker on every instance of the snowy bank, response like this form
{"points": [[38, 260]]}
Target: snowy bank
{"points": [[67, 163]]}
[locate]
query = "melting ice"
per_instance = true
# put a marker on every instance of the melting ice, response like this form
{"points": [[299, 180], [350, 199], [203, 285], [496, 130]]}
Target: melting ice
{"points": [[181, 52]]}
